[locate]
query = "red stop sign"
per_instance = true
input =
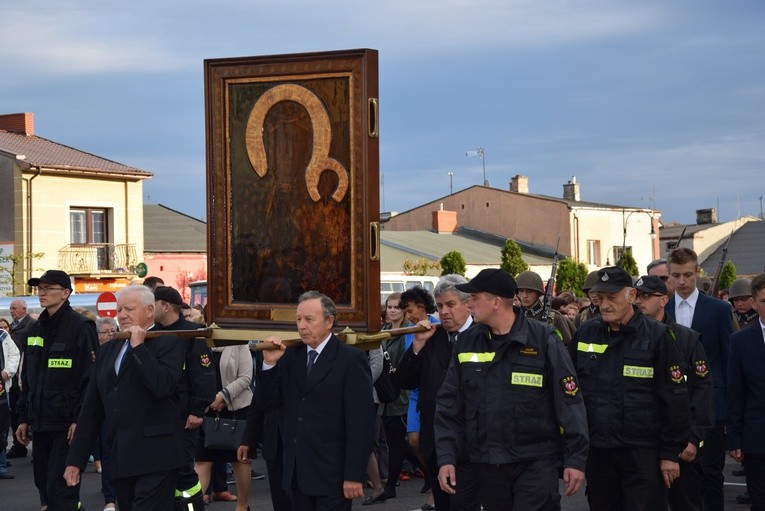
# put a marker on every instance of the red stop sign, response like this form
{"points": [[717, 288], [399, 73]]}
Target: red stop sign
{"points": [[106, 305]]}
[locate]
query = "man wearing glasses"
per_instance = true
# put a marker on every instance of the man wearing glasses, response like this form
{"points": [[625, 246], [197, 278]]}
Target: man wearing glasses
{"points": [[58, 362], [685, 493]]}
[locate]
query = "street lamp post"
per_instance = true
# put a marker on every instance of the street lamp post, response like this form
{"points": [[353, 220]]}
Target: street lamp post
{"points": [[620, 262], [451, 187], [480, 153]]}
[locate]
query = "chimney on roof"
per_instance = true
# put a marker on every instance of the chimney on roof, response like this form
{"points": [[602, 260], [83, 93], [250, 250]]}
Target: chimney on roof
{"points": [[519, 184], [706, 216], [444, 221], [571, 190], [23, 123]]}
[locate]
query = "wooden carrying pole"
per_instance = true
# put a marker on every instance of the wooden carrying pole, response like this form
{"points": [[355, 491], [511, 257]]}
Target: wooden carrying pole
{"points": [[218, 337]]}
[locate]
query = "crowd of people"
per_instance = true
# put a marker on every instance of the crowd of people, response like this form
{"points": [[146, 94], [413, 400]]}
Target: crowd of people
{"points": [[634, 395]]}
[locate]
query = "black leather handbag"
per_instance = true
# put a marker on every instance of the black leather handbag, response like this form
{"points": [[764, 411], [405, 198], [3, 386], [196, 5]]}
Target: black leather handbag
{"points": [[223, 433]]}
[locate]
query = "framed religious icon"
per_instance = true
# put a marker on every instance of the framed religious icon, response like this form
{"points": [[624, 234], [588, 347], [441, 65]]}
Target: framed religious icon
{"points": [[292, 187]]}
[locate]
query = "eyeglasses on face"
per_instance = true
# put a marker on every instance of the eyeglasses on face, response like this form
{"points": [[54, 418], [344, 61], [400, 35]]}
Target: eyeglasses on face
{"points": [[644, 296], [47, 289]]}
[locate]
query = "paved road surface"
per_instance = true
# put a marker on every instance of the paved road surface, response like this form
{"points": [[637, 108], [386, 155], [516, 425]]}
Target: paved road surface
{"points": [[20, 494]]}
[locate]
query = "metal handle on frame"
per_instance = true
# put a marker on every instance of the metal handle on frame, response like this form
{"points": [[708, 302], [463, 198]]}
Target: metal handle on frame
{"points": [[374, 241], [374, 119]]}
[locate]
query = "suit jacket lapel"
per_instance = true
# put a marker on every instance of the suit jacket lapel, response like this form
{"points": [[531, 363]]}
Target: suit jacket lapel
{"points": [[299, 371], [698, 312]]}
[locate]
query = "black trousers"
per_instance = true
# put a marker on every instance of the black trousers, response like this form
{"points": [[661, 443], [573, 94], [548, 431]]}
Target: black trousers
{"points": [[147, 492], [526, 486], [685, 493], [49, 451], [279, 498], [187, 476], [395, 436], [755, 480], [712, 465], [626, 478], [440, 497], [303, 502]]}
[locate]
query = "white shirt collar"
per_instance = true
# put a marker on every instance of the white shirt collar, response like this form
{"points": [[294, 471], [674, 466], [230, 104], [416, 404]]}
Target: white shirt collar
{"points": [[467, 324], [692, 298], [321, 346]]}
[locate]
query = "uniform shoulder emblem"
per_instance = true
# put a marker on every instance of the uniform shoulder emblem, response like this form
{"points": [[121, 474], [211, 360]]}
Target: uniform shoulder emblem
{"points": [[676, 374], [702, 371], [204, 360], [569, 385]]}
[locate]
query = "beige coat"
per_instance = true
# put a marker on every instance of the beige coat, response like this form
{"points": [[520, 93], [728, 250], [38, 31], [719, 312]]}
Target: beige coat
{"points": [[236, 376]]}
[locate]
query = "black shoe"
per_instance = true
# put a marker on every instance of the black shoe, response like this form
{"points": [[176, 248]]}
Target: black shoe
{"points": [[6, 475], [385, 495], [425, 487], [740, 472], [256, 476], [14, 452], [743, 499]]}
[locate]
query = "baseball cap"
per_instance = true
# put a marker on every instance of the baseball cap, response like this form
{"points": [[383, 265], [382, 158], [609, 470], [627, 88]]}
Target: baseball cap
{"points": [[168, 294], [52, 277], [651, 284], [611, 279], [491, 280]]}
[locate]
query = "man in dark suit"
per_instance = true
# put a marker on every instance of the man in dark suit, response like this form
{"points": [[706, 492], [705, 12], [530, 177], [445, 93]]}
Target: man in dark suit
{"points": [[746, 398], [21, 325], [712, 319], [325, 389], [134, 389], [424, 366]]}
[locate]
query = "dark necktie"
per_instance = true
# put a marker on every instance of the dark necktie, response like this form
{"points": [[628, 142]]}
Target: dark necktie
{"points": [[453, 337], [312, 354], [124, 355], [14, 324]]}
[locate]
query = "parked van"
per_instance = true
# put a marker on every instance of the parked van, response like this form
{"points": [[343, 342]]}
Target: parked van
{"points": [[198, 293], [398, 283], [86, 300]]}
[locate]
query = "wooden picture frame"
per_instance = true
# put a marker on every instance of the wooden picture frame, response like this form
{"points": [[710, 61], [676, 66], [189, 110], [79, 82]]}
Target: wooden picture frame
{"points": [[292, 187]]}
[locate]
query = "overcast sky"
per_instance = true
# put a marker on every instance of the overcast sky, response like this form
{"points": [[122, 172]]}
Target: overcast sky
{"points": [[648, 103]]}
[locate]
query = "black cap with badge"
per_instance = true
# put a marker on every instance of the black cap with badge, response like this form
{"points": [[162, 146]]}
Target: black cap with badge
{"points": [[491, 280], [611, 279], [52, 277], [168, 294], [651, 284]]}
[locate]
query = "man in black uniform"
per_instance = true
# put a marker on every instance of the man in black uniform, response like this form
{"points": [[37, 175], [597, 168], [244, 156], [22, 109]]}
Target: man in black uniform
{"points": [[637, 403], [740, 296], [509, 415], [651, 298], [593, 309], [58, 362], [530, 293], [197, 391], [425, 363]]}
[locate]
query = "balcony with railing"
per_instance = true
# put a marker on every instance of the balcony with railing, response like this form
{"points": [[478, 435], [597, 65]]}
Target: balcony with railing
{"points": [[98, 259]]}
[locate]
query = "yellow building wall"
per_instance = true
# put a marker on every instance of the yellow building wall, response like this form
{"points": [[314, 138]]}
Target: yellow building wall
{"points": [[52, 198]]}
